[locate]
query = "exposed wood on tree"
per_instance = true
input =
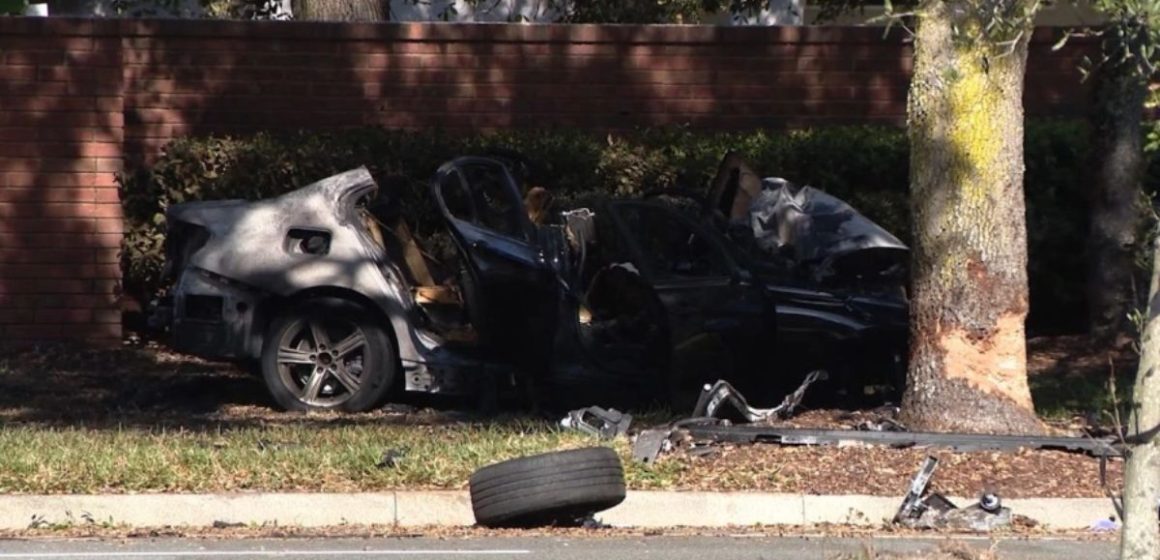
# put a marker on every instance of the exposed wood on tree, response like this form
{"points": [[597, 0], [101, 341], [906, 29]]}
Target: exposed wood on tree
{"points": [[342, 10], [1140, 538], [968, 366]]}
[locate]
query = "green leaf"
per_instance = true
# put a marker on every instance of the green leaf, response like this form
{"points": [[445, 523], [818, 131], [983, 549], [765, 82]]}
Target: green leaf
{"points": [[13, 7]]}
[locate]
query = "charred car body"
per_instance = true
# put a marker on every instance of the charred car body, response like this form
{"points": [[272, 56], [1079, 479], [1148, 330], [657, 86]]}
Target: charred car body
{"points": [[327, 287], [838, 278]]}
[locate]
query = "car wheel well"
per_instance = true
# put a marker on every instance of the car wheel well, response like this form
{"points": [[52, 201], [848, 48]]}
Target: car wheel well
{"points": [[268, 310]]}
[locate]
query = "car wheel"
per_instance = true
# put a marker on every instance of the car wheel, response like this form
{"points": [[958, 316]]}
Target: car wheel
{"points": [[328, 355], [553, 488]]}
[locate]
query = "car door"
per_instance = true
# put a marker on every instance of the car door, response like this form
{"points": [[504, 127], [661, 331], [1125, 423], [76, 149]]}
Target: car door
{"points": [[507, 282], [721, 322]]}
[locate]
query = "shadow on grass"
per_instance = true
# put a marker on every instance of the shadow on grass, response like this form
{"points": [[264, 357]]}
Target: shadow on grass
{"points": [[152, 388]]}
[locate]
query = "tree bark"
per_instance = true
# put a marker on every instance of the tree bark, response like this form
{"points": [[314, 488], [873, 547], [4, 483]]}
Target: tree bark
{"points": [[1118, 165], [1140, 538], [342, 10], [968, 365]]}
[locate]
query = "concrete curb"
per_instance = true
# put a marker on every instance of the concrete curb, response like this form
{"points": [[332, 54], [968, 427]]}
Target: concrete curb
{"points": [[453, 508]]}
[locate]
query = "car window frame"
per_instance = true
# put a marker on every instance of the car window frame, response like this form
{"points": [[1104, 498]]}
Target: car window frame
{"points": [[731, 271]]}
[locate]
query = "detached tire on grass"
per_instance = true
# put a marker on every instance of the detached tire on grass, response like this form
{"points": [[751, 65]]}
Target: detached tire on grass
{"points": [[553, 488]]}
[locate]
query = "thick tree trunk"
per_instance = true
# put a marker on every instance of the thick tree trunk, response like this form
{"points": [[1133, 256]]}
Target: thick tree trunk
{"points": [[1118, 165], [342, 10], [1141, 535], [968, 365]]}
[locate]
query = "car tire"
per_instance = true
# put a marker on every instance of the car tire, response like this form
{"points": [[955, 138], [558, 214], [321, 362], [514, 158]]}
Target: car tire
{"points": [[359, 387], [549, 489]]}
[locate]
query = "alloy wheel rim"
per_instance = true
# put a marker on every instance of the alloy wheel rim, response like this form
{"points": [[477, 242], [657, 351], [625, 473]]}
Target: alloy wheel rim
{"points": [[321, 362]]}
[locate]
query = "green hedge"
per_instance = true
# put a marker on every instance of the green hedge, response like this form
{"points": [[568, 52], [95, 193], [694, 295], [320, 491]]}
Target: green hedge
{"points": [[867, 166]]}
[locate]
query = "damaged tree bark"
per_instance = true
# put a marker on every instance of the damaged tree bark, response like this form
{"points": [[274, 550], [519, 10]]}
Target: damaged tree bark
{"points": [[968, 368], [1141, 535]]}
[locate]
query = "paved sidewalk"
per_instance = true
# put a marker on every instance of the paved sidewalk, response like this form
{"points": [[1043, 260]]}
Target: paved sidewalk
{"points": [[418, 509]]}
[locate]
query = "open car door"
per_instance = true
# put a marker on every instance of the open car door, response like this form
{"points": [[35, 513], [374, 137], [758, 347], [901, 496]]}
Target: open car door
{"points": [[507, 283]]}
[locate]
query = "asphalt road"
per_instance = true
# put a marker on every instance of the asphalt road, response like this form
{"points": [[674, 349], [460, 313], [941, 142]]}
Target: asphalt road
{"points": [[674, 548]]}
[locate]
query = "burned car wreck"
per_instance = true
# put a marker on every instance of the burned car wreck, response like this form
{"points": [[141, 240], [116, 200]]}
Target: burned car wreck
{"points": [[328, 289], [838, 278]]}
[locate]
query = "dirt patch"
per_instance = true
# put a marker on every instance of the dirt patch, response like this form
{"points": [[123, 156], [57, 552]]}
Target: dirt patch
{"points": [[881, 471], [145, 384], [1077, 356], [152, 387], [1071, 379], [61, 385]]}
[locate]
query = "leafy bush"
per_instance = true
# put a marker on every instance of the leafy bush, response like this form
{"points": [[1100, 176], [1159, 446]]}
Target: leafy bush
{"points": [[866, 165], [1055, 187]]}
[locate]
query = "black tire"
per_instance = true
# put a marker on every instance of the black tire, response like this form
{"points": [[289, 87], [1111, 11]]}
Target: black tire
{"points": [[377, 363], [548, 489]]}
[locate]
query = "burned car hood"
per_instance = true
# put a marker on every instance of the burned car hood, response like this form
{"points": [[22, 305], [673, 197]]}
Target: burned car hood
{"points": [[804, 225], [814, 226]]}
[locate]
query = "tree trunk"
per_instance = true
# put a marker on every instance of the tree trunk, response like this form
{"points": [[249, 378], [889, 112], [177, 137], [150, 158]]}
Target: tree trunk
{"points": [[1140, 538], [968, 365], [1118, 165], [342, 10]]}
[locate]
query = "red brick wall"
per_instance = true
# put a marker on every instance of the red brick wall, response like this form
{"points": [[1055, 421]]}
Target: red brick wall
{"points": [[61, 137], [224, 77], [78, 98]]}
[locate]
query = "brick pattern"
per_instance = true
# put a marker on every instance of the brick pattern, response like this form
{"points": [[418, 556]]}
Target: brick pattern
{"points": [[61, 138], [80, 97], [226, 78]]}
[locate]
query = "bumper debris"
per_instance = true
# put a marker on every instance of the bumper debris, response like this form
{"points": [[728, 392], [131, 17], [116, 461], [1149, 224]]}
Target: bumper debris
{"points": [[605, 424], [923, 510], [720, 393]]}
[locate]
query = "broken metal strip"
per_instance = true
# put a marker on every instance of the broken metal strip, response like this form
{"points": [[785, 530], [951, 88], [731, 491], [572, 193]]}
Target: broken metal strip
{"points": [[957, 442]]}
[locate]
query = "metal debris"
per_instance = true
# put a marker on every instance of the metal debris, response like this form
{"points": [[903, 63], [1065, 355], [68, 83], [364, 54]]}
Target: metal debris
{"points": [[399, 408], [956, 442], [912, 504], [721, 392], [881, 425], [591, 522], [651, 443], [605, 424], [920, 510], [883, 419], [391, 458]]}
